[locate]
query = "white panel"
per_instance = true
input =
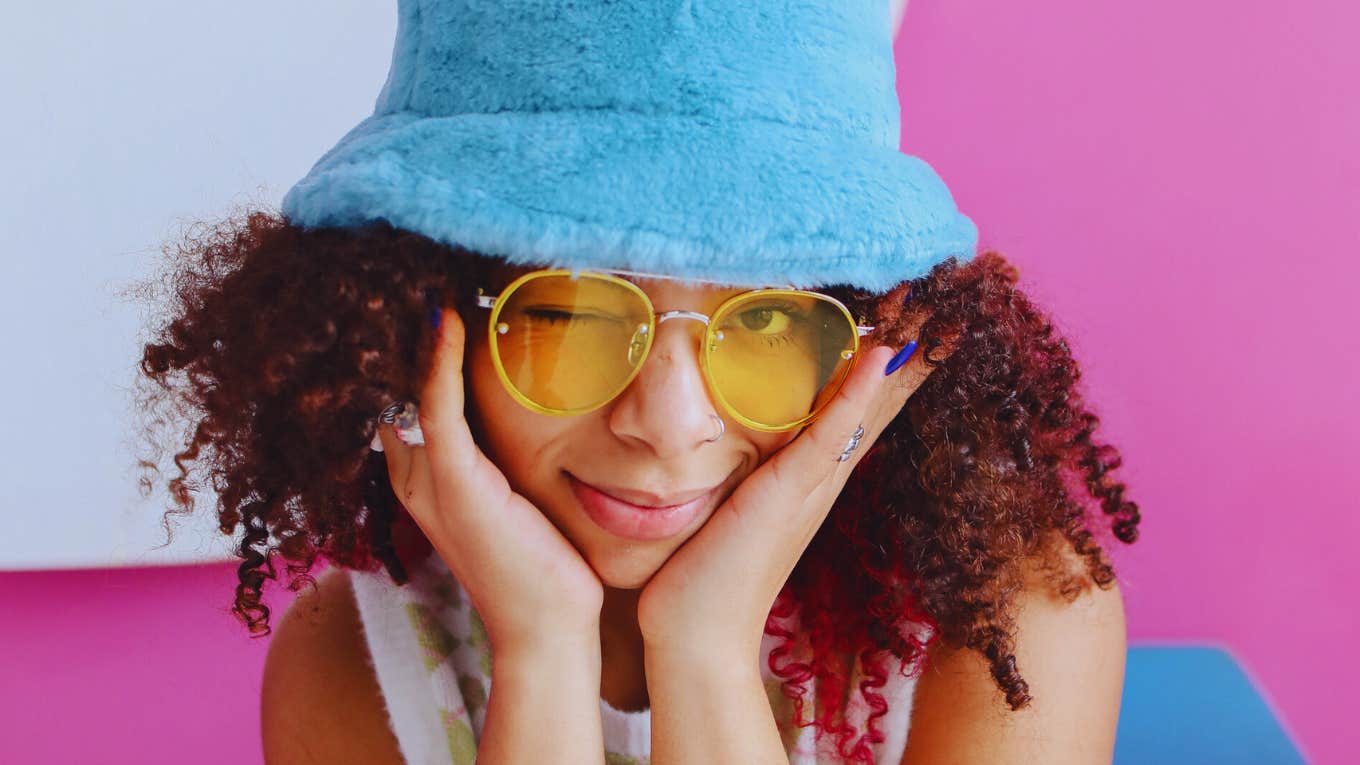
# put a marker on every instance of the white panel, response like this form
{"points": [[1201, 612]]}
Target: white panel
{"points": [[121, 120]]}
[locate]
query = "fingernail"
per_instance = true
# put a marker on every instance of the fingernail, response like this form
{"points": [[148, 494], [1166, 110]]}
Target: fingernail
{"points": [[900, 359], [436, 315]]}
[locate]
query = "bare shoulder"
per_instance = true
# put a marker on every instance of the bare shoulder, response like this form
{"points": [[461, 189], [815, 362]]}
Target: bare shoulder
{"points": [[1071, 654], [320, 701]]}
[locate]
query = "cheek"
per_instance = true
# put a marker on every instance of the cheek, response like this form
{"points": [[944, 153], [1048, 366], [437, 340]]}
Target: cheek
{"points": [[497, 421], [768, 443], [478, 379], [519, 441]]}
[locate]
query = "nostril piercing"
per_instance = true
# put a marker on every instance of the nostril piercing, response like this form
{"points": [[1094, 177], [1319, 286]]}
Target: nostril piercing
{"points": [[722, 428]]}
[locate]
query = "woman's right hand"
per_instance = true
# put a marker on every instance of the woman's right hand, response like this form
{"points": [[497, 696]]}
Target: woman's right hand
{"points": [[526, 581]]}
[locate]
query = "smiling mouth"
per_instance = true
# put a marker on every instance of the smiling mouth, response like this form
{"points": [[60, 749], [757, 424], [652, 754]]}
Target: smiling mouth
{"points": [[647, 500], [624, 519]]}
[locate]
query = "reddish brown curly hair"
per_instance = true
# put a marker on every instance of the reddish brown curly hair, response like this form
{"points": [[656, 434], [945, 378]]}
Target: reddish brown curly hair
{"points": [[280, 344]]}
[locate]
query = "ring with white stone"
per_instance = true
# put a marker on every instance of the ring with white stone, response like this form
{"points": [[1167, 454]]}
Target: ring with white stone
{"points": [[404, 417]]}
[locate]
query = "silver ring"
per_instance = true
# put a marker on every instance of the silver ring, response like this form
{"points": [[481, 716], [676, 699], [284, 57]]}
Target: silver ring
{"points": [[852, 445], [404, 417], [722, 428], [389, 415]]}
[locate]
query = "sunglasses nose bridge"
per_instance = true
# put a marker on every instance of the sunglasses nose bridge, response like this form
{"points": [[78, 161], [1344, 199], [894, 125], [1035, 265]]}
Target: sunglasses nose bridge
{"points": [[662, 318], [668, 315]]}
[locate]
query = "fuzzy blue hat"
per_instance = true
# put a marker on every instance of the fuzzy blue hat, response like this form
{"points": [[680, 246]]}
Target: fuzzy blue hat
{"points": [[750, 142]]}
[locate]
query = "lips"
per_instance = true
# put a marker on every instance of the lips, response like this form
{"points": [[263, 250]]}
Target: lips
{"points": [[640, 515], [650, 501]]}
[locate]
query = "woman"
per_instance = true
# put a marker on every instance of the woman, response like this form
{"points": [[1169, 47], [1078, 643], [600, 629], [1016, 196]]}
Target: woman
{"points": [[691, 397]]}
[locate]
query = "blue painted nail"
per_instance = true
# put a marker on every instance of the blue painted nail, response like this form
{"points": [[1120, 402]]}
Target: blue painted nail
{"points": [[900, 358], [436, 316]]}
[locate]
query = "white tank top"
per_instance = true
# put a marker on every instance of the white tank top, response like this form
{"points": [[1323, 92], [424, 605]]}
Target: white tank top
{"points": [[433, 663]]}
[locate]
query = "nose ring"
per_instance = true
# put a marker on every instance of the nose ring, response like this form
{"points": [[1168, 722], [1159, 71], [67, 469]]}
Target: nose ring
{"points": [[721, 429]]}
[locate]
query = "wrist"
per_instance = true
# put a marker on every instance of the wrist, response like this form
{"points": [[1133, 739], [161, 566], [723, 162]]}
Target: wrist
{"points": [[550, 687], [710, 639], [548, 643], [565, 664], [709, 704], [692, 654]]}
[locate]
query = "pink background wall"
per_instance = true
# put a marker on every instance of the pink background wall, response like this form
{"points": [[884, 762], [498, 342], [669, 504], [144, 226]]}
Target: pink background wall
{"points": [[1179, 182]]}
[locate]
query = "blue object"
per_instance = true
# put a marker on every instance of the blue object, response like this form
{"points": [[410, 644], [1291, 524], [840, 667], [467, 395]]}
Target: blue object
{"points": [[900, 358], [1195, 705], [749, 142]]}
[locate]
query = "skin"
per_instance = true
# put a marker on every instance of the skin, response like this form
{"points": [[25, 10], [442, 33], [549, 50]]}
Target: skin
{"points": [[651, 437], [672, 624], [645, 612]]}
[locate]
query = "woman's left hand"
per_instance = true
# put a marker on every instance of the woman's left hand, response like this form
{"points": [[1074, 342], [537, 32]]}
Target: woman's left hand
{"points": [[715, 591]]}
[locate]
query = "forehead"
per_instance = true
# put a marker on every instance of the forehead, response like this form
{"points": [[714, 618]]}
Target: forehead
{"points": [[499, 275]]}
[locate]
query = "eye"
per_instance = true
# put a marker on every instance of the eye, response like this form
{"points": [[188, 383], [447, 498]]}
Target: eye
{"points": [[770, 320], [554, 315], [549, 315]]}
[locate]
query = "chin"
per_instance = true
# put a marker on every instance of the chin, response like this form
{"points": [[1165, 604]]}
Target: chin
{"points": [[628, 570], [634, 582]]}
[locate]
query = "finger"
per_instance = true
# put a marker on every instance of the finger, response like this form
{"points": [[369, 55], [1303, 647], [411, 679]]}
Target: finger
{"points": [[910, 376], [902, 384], [784, 483], [398, 457], [441, 399], [857, 406], [451, 463], [899, 387], [419, 494], [778, 508]]}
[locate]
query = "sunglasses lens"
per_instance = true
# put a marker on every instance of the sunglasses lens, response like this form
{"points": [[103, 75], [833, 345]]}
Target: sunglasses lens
{"points": [[777, 357], [569, 345]]}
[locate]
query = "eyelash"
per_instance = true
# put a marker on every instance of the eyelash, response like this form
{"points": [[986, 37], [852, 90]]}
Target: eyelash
{"points": [[552, 316], [788, 308], [795, 315]]}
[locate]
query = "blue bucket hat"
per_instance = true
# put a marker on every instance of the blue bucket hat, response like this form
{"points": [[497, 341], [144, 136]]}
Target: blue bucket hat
{"points": [[748, 142]]}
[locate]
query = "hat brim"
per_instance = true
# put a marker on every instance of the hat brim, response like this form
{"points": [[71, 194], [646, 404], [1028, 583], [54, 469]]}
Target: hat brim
{"points": [[744, 203]]}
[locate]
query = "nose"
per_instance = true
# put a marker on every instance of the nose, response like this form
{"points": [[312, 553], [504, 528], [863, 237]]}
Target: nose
{"points": [[668, 406]]}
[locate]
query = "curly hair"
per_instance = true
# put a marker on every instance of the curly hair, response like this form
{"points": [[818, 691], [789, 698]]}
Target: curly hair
{"points": [[281, 343]]}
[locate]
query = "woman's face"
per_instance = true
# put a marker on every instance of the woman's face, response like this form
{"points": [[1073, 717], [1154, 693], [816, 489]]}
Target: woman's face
{"points": [[648, 447]]}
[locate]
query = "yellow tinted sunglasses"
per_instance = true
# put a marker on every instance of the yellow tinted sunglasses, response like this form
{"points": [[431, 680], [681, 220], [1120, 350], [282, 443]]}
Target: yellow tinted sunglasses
{"points": [[568, 342]]}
